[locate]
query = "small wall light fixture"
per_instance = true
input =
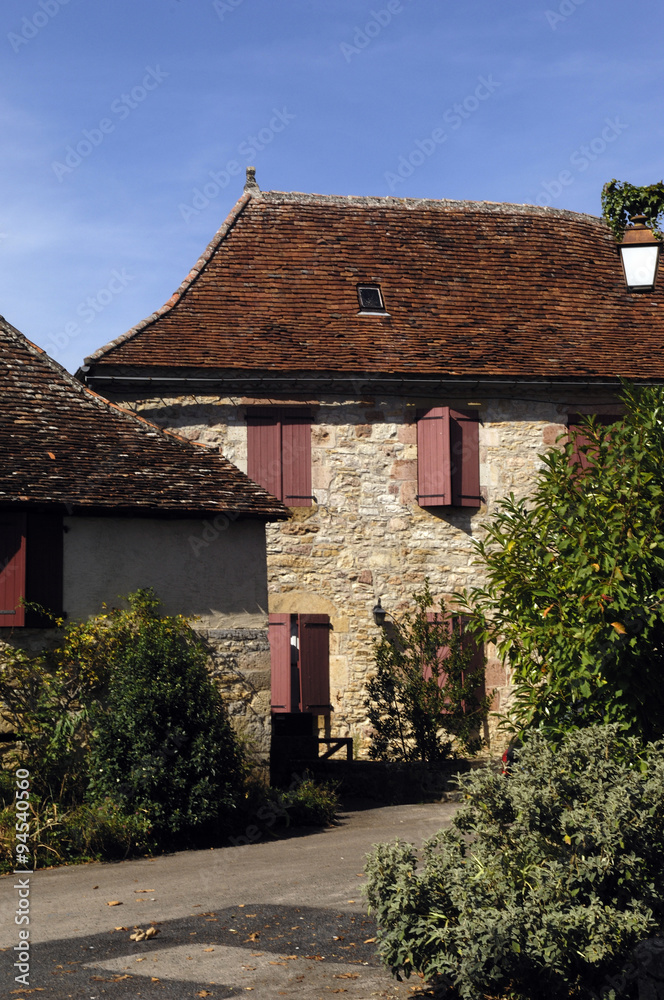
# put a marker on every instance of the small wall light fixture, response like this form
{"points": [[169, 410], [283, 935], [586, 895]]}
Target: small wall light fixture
{"points": [[639, 252], [379, 613]]}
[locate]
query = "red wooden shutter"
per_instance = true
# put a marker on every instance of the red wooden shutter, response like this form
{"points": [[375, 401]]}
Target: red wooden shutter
{"points": [[280, 658], [12, 568], [264, 450], [315, 663], [575, 421], [465, 458], [442, 653], [296, 459], [434, 484]]}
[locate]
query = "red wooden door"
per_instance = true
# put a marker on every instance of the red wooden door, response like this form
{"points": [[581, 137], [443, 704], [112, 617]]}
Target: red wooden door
{"points": [[314, 633]]}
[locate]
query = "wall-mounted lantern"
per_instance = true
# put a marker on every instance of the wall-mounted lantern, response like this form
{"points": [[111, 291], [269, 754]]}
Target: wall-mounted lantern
{"points": [[379, 613], [639, 252]]}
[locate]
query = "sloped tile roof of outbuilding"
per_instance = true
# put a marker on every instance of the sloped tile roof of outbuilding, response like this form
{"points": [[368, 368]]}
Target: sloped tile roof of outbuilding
{"points": [[60, 443], [472, 289]]}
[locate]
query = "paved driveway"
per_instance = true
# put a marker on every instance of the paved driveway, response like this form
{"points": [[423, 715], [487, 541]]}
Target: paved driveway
{"points": [[277, 918]]}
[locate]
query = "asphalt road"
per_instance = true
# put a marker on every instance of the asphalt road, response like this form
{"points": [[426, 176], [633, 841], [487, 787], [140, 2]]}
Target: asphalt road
{"points": [[277, 918]]}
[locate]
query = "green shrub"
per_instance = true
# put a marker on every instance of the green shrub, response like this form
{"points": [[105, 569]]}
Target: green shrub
{"points": [[124, 735], [61, 835], [545, 882], [425, 718], [574, 597], [309, 803], [162, 743]]}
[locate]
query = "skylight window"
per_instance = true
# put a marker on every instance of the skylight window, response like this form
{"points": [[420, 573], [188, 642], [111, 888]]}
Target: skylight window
{"points": [[370, 298]]}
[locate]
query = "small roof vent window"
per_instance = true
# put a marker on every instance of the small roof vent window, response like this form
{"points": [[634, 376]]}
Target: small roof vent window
{"points": [[370, 298]]}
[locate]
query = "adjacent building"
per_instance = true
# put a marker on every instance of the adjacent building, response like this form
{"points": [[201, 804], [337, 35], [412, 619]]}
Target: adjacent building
{"points": [[96, 503]]}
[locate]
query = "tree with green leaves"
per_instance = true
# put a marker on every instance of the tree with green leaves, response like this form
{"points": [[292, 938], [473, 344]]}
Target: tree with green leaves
{"points": [[574, 596], [622, 201], [425, 702]]}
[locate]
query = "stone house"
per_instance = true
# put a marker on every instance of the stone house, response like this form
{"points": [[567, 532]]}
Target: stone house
{"points": [[389, 369], [96, 503]]}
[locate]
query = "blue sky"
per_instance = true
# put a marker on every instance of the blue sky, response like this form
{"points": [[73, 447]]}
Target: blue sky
{"points": [[115, 113]]}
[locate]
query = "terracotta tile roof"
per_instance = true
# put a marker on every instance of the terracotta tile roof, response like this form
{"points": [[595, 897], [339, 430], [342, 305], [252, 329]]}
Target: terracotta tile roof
{"points": [[472, 289], [61, 443]]}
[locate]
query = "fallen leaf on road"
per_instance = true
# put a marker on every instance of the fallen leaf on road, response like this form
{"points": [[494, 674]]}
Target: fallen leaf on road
{"points": [[95, 886], [360, 874], [290, 958], [154, 979], [338, 937], [350, 900], [114, 902], [277, 963], [208, 949], [254, 936], [145, 890], [204, 993], [347, 975], [370, 941], [120, 929], [151, 932]]}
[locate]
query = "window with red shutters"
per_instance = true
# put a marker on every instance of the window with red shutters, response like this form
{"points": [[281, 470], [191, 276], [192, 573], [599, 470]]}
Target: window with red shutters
{"points": [[448, 458], [279, 452], [30, 568], [300, 658]]}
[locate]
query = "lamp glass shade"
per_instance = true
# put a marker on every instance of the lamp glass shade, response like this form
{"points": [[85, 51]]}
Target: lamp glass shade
{"points": [[640, 265]]}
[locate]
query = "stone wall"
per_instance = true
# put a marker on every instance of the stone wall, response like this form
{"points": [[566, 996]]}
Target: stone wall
{"points": [[367, 537], [240, 665]]}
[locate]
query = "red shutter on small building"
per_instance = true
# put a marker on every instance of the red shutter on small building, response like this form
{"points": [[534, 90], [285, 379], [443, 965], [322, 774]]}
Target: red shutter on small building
{"points": [[314, 631], [465, 458], [44, 567], [12, 568], [279, 632], [296, 458], [434, 482], [264, 450]]}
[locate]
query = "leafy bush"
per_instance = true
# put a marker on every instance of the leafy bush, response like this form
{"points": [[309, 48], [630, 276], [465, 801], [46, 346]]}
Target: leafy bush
{"points": [[575, 591], [162, 743], [124, 735], [424, 704], [545, 882], [309, 803]]}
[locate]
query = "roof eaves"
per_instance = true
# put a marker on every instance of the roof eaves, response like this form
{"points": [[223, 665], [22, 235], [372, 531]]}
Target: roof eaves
{"points": [[195, 272]]}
